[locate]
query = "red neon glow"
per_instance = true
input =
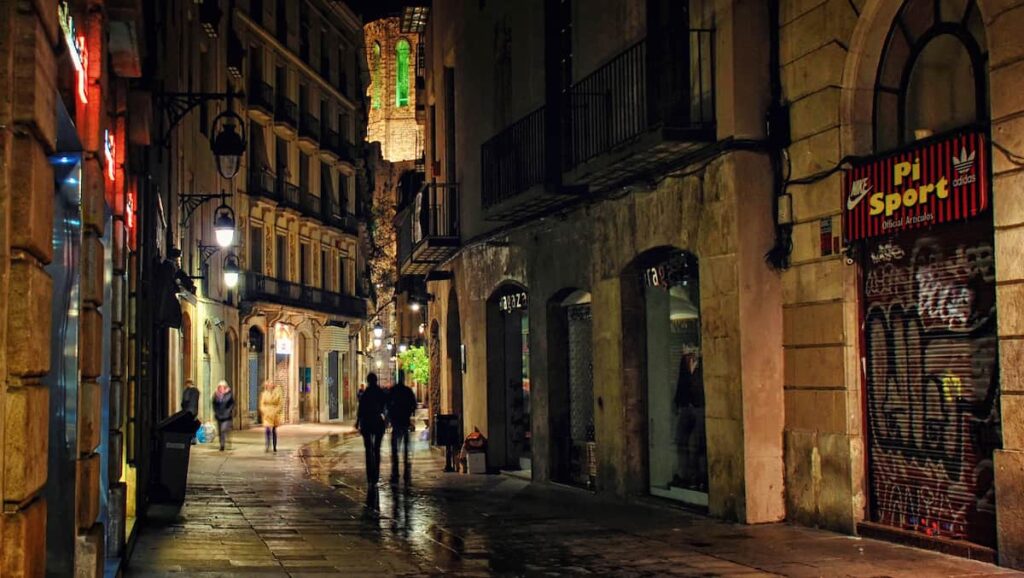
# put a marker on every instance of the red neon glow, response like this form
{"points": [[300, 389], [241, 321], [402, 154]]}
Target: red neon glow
{"points": [[82, 69], [108, 153]]}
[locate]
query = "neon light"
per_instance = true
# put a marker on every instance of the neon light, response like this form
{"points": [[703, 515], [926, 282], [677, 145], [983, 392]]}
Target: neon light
{"points": [[108, 153], [76, 47]]}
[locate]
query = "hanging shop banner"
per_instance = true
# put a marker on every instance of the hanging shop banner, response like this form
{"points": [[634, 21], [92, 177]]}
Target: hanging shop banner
{"points": [[927, 184]]}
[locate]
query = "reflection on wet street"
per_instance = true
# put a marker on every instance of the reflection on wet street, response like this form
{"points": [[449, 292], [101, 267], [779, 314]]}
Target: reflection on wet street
{"points": [[307, 510]]}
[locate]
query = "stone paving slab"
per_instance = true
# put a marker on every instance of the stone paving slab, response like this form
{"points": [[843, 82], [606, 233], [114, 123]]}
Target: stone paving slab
{"points": [[307, 511]]}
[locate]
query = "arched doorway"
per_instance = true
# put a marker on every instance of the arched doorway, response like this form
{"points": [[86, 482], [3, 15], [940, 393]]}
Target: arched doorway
{"points": [[508, 378], [256, 370], [663, 367], [456, 367], [186, 368], [571, 379], [930, 349], [231, 361], [434, 350], [306, 358]]}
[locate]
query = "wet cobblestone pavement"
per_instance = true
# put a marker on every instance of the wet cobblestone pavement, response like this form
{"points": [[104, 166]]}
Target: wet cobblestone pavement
{"points": [[304, 512]]}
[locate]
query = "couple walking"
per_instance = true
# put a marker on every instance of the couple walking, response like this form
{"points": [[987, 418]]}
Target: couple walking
{"points": [[378, 408], [223, 407]]}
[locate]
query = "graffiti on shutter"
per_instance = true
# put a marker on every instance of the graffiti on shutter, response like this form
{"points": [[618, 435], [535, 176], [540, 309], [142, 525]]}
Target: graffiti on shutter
{"points": [[932, 381]]}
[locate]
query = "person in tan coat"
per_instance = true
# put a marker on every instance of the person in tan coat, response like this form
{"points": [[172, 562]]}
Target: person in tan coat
{"points": [[271, 411]]}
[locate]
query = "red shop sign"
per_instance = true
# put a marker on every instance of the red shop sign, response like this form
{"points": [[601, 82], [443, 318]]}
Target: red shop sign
{"points": [[937, 182]]}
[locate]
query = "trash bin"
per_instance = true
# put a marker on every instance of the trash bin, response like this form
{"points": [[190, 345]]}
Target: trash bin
{"points": [[174, 440], [448, 434]]}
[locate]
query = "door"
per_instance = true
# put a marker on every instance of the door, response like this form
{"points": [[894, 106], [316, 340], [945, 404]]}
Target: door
{"points": [[581, 395], [677, 445], [508, 380], [932, 381], [333, 399]]}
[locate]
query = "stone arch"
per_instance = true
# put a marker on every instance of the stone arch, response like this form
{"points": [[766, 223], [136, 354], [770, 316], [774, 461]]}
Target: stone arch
{"points": [[508, 417], [867, 46]]}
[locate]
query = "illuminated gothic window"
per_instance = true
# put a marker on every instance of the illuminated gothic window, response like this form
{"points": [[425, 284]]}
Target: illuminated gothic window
{"points": [[377, 81], [402, 73], [933, 74]]}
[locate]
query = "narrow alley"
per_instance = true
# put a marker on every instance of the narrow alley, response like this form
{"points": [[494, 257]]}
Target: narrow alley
{"points": [[303, 511]]}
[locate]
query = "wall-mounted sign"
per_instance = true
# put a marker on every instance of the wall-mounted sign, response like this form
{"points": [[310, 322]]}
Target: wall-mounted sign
{"points": [[514, 301], [923, 185], [76, 47], [129, 215], [675, 270], [109, 148]]}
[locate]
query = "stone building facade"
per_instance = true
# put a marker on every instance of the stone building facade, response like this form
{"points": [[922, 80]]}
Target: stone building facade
{"points": [[68, 193], [651, 291], [294, 315], [392, 58]]}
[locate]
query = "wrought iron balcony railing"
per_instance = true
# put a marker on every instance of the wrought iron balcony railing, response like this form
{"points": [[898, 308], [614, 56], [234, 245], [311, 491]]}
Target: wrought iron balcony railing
{"points": [[513, 160], [309, 127], [287, 111], [287, 193], [261, 183], [428, 229], [310, 205], [258, 287], [637, 92], [261, 96]]}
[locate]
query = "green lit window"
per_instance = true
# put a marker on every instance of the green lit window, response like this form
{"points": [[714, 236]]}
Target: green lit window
{"points": [[402, 66], [377, 81]]}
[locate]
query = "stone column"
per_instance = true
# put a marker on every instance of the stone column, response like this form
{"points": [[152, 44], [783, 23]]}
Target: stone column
{"points": [[1006, 77], [28, 33]]}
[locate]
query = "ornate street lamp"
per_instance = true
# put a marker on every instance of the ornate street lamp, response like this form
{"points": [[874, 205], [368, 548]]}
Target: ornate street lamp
{"points": [[231, 271], [227, 145], [224, 225], [378, 330]]}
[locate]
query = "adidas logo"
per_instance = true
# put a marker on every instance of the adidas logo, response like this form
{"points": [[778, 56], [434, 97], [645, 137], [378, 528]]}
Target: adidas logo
{"points": [[965, 163]]}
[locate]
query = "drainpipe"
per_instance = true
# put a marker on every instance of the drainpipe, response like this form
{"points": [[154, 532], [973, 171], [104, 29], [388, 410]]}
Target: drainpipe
{"points": [[777, 128]]}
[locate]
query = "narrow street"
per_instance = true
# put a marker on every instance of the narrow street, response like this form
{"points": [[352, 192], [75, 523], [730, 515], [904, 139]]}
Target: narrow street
{"points": [[303, 511]]}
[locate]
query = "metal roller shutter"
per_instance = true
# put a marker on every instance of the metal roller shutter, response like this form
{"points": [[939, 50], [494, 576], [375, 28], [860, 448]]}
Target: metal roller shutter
{"points": [[334, 339], [932, 380]]}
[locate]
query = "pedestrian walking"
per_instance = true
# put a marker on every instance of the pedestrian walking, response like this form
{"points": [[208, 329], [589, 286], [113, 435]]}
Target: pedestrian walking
{"points": [[190, 401], [190, 398], [271, 405], [223, 410], [401, 407], [370, 423]]}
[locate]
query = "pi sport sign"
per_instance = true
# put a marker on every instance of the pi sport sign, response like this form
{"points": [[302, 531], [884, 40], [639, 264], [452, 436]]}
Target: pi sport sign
{"points": [[937, 182]]}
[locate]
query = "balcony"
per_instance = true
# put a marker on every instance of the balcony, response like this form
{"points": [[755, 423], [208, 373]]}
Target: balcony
{"points": [[261, 101], [346, 152], [428, 229], [515, 171], [309, 204], [309, 132], [287, 194], [640, 112], [286, 117], [261, 183], [261, 288], [334, 215], [329, 145]]}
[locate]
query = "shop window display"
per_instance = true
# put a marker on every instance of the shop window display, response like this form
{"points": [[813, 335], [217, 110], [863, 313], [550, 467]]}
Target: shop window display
{"points": [[675, 384]]}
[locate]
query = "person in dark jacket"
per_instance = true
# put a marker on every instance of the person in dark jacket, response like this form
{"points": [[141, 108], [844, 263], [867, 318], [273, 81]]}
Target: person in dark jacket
{"points": [[223, 410], [190, 401], [401, 407], [370, 423]]}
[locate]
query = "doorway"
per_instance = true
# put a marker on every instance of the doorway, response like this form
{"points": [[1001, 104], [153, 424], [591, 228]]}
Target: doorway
{"points": [[508, 379], [257, 373], [677, 442], [305, 380], [571, 404], [455, 354], [333, 390]]}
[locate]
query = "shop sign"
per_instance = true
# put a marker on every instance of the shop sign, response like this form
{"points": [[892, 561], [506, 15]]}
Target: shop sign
{"points": [[937, 182], [673, 271], [76, 46], [514, 301], [129, 215]]}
